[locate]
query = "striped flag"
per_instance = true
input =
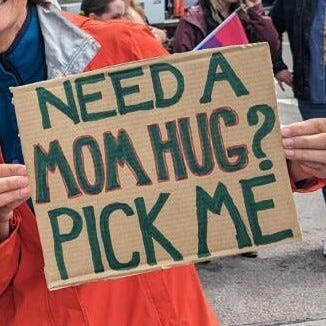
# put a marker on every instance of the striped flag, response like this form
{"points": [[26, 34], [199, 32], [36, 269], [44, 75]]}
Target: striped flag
{"points": [[230, 32]]}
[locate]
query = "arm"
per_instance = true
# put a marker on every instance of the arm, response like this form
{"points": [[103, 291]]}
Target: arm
{"points": [[281, 71], [143, 44], [305, 148], [263, 25], [184, 37], [277, 16], [265, 31], [14, 190]]}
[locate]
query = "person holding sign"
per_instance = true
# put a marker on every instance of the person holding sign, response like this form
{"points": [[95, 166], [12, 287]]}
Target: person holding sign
{"points": [[36, 43]]}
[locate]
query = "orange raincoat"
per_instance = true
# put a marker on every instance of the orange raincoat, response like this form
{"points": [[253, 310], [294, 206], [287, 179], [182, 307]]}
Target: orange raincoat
{"points": [[170, 297]]}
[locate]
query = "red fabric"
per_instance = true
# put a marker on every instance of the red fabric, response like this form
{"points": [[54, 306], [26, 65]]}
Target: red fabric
{"points": [[170, 297], [178, 8], [123, 41], [309, 186]]}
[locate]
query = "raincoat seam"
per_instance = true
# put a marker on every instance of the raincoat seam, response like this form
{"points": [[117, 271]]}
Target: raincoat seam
{"points": [[83, 311], [150, 296], [49, 310]]}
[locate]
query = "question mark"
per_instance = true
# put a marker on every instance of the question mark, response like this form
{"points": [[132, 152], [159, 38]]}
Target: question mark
{"points": [[262, 132]]}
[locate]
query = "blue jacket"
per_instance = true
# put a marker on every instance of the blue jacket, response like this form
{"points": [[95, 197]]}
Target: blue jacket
{"points": [[19, 67]]}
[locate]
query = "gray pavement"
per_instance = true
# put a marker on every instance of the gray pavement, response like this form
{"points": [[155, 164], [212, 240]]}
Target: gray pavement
{"points": [[285, 285], [312, 323]]}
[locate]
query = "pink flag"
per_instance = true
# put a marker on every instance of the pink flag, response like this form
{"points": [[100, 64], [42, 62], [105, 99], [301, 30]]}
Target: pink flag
{"points": [[230, 32]]}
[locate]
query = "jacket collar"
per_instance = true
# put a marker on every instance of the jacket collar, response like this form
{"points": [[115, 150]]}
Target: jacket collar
{"points": [[68, 49]]}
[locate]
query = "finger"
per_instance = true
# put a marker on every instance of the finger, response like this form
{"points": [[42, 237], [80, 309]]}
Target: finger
{"points": [[280, 84], [317, 171], [307, 127], [12, 199], [7, 170], [297, 172], [312, 165], [12, 183], [306, 142], [303, 155]]}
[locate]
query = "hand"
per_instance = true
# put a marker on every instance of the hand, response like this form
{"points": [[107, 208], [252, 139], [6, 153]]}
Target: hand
{"points": [[305, 147], [252, 3], [284, 76], [159, 34], [14, 190]]}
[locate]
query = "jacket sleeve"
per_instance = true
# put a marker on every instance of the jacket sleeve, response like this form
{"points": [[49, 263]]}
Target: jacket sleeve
{"points": [[184, 38], [9, 255], [277, 16], [308, 185], [278, 19], [263, 27], [142, 44]]}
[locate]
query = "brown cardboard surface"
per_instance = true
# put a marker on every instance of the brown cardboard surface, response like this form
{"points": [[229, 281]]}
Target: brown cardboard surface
{"points": [[108, 206]]}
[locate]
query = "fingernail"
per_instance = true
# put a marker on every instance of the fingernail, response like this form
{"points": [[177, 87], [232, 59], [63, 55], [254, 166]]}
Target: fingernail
{"points": [[287, 142]]}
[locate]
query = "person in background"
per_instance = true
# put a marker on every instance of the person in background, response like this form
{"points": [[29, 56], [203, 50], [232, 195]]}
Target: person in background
{"points": [[39, 42], [136, 13], [103, 10], [202, 19], [305, 23]]}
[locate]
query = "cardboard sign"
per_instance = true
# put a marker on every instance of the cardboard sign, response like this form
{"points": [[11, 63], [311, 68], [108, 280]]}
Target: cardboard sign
{"points": [[156, 163]]}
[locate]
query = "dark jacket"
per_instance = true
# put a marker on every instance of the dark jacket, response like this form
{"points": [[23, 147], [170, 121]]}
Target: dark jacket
{"points": [[192, 29], [295, 17]]}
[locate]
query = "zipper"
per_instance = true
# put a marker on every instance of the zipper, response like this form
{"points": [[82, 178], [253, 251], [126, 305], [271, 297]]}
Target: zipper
{"points": [[9, 67]]}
